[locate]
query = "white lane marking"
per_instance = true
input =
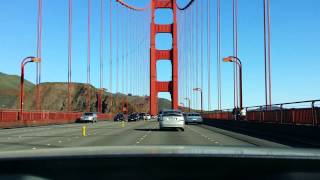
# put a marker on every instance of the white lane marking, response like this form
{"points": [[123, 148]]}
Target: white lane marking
{"points": [[206, 137], [34, 148], [48, 144], [145, 135], [59, 141]]}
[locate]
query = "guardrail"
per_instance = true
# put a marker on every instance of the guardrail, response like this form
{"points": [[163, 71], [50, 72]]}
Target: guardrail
{"points": [[276, 113], [13, 118]]}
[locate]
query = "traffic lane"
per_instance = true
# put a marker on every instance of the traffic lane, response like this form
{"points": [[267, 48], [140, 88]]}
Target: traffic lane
{"points": [[123, 137], [118, 134], [26, 130], [193, 135], [245, 138], [58, 136]]}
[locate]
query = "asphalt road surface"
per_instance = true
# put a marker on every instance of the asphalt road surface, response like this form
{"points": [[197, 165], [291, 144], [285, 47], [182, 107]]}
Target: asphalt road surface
{"points": [[108, 133]]}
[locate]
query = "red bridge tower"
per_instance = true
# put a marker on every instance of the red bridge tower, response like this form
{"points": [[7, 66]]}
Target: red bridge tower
{"points": [[171, 55]]}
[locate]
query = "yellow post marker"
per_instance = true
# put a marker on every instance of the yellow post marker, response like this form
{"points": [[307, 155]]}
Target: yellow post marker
{"points": [[122, 124], [84, 131]]}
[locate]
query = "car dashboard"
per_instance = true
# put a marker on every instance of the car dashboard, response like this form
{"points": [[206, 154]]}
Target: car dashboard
{"points": [[160, 163]]}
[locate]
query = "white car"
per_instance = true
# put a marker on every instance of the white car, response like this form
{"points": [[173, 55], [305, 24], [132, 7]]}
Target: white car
{"points": [[89, 117], [147, 117], [171, 119]]}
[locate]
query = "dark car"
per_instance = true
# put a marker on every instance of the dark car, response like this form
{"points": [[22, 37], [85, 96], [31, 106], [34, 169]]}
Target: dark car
{"points": [[133, 117], [119, 117], [142, 116]]}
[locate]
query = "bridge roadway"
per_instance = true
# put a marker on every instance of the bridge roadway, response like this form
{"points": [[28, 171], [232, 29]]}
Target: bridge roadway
{"points": [[108, 133]]}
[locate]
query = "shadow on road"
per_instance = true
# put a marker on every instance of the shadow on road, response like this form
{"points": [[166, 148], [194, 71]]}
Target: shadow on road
{"points": [[156, 129]]}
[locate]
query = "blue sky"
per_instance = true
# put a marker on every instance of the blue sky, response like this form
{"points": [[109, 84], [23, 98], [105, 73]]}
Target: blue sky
{"points": [[295, 49]]}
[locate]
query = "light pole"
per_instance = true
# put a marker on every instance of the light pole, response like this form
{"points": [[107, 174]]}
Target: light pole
{"points": [[23, 64], [238, 62], [188, 99], [182, 106], [201, 97]]}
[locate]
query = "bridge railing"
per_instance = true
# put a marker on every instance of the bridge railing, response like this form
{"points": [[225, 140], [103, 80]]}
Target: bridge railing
{"points": [[14, 118], [302, 112]]}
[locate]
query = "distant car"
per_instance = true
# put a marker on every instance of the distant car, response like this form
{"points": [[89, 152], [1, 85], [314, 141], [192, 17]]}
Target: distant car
{"points": [[148, 117], [89, 117], [171, 119], [193, 118], [133, 117], [142, 116], [119, 117]]}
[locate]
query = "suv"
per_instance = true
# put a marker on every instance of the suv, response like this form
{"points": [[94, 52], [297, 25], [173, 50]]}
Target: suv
{"points": [[89, 117]]}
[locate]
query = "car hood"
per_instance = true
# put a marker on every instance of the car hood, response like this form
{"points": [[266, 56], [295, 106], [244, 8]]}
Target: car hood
{"points": [[166, 151]]}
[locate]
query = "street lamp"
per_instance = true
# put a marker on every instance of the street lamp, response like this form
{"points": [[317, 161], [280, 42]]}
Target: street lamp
{"points": [[188, 99], [238, 62], [182, 106], [23, 64], [200, 90]]}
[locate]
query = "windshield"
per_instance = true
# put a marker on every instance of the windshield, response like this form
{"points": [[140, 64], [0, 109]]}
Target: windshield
{"points": [[247, 78], [197, 115]]}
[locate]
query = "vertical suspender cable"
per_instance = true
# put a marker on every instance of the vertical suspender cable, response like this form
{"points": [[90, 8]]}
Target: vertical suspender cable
{"points": [[89, 56], [197, 52], [236, 51], [265, 52], [192, 56], [219, 54], [186, 54], [39, 55], [269, 53], [201, 46], [234, 66], [209, 57], [69, 55], [110, 38], [117, 49]]}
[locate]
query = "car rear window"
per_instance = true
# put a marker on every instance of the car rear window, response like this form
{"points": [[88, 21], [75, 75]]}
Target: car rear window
{"points": [[172, 113], [88, 114], [193, 114]]}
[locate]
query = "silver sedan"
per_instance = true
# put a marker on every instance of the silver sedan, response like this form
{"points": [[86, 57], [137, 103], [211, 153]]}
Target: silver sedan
{"points": [[171, 119]]}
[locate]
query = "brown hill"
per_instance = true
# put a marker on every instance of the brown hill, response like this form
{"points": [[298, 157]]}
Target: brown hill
{"points": [[54, 98]]}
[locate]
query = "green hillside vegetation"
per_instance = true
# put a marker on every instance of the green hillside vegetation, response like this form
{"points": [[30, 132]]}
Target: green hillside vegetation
{"points": [[10, 89]]}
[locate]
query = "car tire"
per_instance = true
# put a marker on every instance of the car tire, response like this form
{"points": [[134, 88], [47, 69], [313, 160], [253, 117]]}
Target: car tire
{"points": [[182, 129]]}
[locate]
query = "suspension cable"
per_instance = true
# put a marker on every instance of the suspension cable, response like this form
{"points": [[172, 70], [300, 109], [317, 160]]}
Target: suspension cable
{"points": [[186, 6], [133, 7], [219, 54], [69, 55], [39, 55], [209, 56], [111, 55], [89, 57]]}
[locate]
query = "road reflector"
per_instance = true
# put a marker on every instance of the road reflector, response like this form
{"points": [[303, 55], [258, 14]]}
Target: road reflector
{"points": [[84, 131]]}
